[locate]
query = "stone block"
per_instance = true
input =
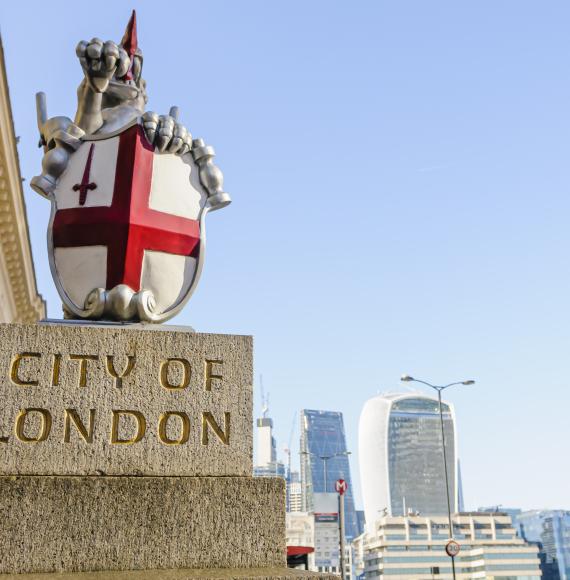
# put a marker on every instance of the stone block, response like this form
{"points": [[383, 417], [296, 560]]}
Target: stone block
{"points": [[81, 524], [120, 400]]}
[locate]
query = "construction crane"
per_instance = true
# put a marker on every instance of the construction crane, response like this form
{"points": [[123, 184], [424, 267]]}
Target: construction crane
{"points": [[264, 398], [287, 449]]}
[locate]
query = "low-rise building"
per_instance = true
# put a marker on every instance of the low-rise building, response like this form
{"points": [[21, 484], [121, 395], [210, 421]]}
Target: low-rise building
{"points": [[327, 538], [413, 547], [300, 532], [320, 530]]}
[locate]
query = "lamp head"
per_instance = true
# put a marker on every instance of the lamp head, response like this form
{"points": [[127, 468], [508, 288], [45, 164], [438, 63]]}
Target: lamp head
{"points": [[406, 378], [469, 382]]}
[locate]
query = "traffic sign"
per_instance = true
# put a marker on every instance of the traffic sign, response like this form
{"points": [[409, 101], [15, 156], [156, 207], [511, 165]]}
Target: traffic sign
{"points": [[452, 548], [341, 486]]}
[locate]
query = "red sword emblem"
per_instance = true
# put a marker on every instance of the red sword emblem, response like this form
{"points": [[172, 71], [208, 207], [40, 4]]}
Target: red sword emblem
{"points": [[85, 186]]}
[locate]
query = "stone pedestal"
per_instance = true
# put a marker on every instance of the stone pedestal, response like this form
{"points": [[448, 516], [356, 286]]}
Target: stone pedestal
{"points": [[96, 400], [124, 523], [127, 453]]}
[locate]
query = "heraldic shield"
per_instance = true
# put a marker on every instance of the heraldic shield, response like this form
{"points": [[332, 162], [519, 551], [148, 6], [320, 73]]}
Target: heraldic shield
{"points": [[129, 191], [126, 238]]}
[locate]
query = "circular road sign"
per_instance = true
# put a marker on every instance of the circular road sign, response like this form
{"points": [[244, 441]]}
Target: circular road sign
{"points": [[452, 548], [341, 486]]}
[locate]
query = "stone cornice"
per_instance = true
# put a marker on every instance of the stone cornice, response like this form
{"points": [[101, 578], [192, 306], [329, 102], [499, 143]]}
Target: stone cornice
{"points": [[14, 236]]}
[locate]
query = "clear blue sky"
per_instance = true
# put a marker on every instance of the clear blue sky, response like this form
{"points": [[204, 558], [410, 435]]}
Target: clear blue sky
{"points": [[401, 183]]}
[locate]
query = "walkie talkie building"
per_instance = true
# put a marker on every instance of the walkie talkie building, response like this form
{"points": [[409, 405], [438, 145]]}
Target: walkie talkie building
{"points": [[401, 456]]}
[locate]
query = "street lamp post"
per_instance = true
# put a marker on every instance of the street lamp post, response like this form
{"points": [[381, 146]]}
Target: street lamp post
{"points": [[324, 459], [439, 388]]}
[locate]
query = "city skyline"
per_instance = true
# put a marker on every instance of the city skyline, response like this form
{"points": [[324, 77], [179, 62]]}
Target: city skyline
{"points": [[285, 453], [451, 123]]}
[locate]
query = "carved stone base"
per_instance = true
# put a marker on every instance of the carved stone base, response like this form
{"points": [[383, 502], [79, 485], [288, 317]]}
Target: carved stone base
{"points": [[50, 373], [82, 524]]}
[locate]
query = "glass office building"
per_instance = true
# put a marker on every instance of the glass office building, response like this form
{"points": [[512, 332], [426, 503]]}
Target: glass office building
{"points": [[324, 460], [401, 456], [550, 530]]}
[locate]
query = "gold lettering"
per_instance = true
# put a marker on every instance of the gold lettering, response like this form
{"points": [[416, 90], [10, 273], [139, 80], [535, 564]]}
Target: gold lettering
{"points": [[209, 376], [162, 423], [73, 415], [208, 419], [83, 366], [141, 427], [15, 368], [119, 377], [56, 370], [45, 428], [186, 374]]}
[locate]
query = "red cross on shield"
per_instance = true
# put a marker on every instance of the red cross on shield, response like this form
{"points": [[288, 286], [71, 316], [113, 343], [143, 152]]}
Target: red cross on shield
{"points": [[126, 216]]}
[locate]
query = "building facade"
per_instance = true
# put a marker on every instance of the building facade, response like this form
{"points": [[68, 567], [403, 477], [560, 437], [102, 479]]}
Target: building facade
{"points": [[266, 444], [300, 536], [324, 460], [294, 496], [19, 298], [413, 547], [361, 521], [550, 530], [327, 535], [401, 456], [266, 464], [300, 531]]}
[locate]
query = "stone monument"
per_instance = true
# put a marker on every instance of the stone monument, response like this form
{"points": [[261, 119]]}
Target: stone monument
{"points": [[126, 447]]}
